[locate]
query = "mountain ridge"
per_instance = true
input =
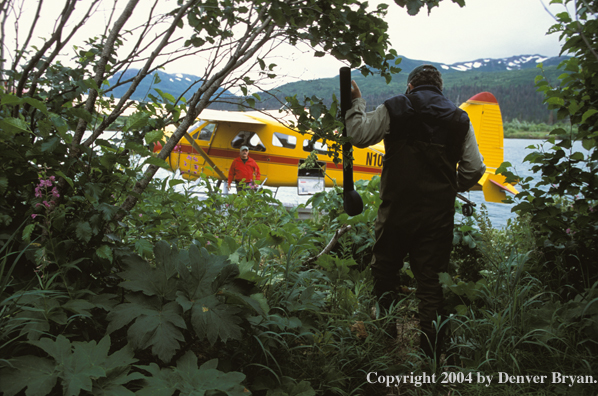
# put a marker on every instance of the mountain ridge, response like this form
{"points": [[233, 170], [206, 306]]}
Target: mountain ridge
{"points": [[511, 63], [510, 80]]}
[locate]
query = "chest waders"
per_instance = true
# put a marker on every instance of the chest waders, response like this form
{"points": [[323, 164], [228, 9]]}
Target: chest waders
{"points": [[418, 190]]}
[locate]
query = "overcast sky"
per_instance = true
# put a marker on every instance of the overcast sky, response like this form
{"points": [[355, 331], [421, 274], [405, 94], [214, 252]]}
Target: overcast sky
{"points": [[450, 34], [481, 29]]}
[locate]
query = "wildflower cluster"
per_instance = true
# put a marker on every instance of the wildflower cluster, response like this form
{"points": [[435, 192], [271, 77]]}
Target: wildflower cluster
{"points": [[195, 166], [47, 192]]}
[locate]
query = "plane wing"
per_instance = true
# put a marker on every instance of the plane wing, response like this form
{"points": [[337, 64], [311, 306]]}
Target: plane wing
{"points": [[228, 116]]}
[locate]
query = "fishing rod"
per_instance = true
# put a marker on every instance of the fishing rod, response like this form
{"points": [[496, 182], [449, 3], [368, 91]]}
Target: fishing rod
{"points": [[467, 207], [353, 204]]}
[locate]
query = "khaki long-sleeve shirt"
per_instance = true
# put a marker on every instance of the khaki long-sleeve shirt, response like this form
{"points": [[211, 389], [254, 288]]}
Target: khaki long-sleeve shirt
{"points": [[367, 129]]}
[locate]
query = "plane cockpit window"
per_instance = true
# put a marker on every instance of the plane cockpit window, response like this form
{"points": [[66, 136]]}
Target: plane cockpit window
{"points": [[318, 147], [202, 130], [249, 139], [283, 140]]}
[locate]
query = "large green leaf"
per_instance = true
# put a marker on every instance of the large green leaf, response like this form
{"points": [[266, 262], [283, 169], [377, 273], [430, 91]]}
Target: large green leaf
{"points": [[155, 325], [136, 121], [36, 374], [117, 374], [78, 366], [290, 388], [162, 382], [212, 319], [114, 386], [12, 126], [203, 274], [83, 231], [207, 377], [104, 252], [38, 311], [159, 280], [153, 136], [188, 379], [157, 162]]}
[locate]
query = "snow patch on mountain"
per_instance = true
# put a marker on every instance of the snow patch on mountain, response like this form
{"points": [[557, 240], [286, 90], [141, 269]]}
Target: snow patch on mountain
{"points": [[511, 63]]}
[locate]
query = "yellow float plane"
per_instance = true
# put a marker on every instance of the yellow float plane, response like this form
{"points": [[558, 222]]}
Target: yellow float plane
{"points": [[214, 141]]}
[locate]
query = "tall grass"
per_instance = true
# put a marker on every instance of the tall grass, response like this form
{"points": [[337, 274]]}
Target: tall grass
{"points": [[515, 325]]}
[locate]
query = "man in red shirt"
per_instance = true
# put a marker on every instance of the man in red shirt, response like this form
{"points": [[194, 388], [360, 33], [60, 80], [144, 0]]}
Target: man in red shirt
{"points": [[243, 170]]}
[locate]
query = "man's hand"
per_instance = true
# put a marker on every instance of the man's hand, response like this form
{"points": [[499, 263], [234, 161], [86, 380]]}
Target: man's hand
{"points": [[355, 92]]}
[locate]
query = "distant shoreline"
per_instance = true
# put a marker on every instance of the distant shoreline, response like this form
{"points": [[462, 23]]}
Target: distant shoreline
{"points": [[528, 135]]}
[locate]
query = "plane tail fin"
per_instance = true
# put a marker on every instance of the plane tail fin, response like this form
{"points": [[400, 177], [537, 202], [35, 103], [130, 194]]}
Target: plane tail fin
{"points": [[484, 113]]}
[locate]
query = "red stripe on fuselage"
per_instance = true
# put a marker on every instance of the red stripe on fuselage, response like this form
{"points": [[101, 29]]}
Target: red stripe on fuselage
{"points": [[272, 159]]}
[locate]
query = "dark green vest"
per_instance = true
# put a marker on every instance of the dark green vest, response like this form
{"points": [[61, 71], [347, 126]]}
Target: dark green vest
{"points": [[422, 149]]}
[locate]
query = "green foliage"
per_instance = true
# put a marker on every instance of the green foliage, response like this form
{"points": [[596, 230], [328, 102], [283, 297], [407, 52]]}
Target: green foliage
{"points": [[80, 366], [181, 290], [562, 205], [329, 216], [466, 257], [111, 283], [188, 379]]}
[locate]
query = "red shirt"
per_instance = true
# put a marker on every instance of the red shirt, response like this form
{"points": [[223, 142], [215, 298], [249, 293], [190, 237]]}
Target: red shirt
{"points": [[239, 170]]}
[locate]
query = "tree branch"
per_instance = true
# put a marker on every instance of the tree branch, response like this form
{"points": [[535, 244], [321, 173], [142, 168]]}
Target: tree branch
{"points": [[337, 235], [100, 70], [65, 15], [20, 52], [60, 44], [144, 71]]}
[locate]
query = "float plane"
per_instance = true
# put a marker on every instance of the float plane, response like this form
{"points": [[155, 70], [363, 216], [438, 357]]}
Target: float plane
{"points": [[214, 140]]}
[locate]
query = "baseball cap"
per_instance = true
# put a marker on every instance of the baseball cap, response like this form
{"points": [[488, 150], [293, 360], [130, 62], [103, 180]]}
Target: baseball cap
{"points": [[244, 148]]}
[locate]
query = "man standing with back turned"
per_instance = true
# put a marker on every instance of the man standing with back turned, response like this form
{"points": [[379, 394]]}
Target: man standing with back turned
{"points": [[425, 137]]}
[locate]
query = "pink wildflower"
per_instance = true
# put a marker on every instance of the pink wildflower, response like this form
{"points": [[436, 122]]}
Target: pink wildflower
{"points": [[38, 192], [47, 204], [33, 216], [55, 192], [140, 215], [196, 167]]}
